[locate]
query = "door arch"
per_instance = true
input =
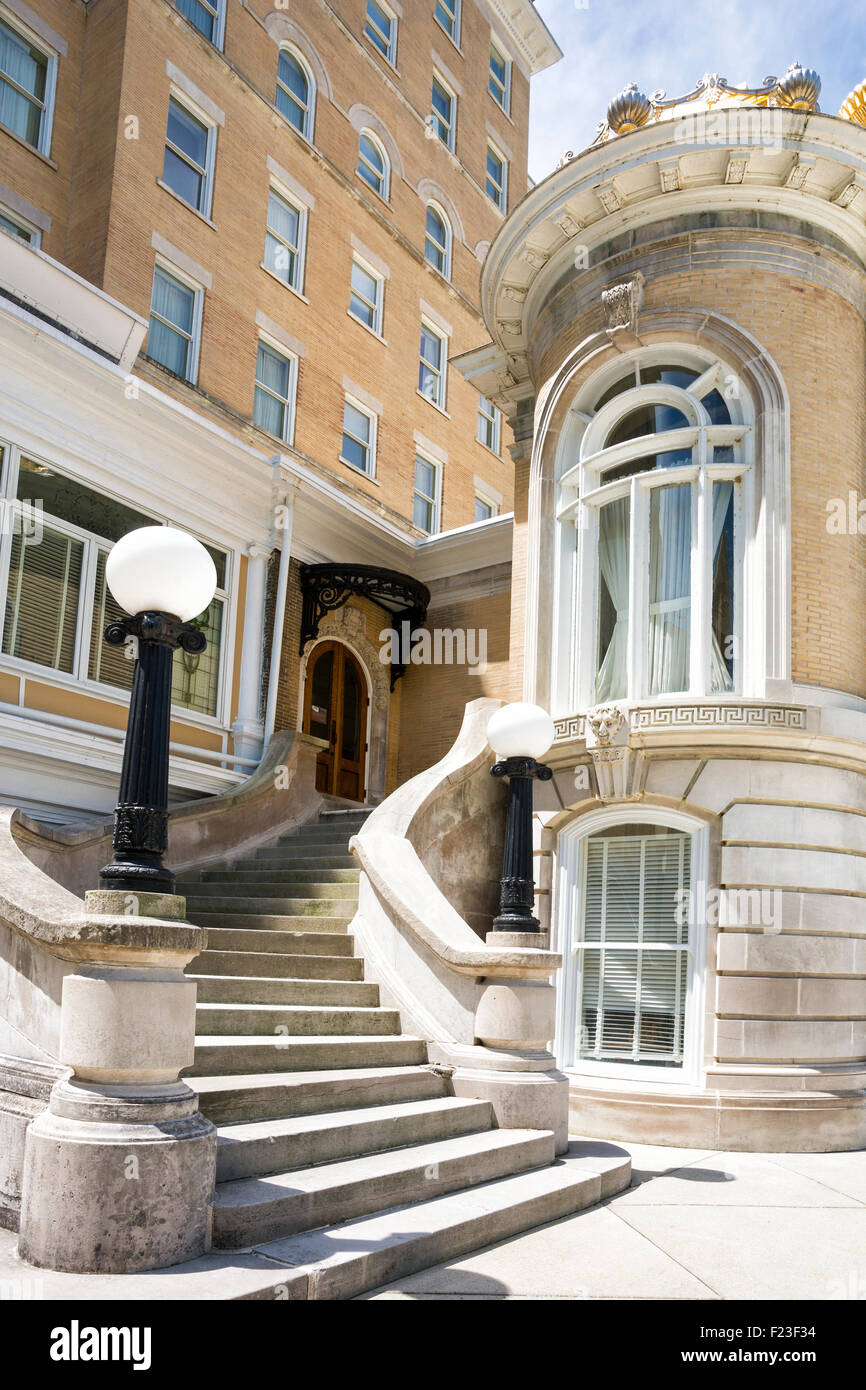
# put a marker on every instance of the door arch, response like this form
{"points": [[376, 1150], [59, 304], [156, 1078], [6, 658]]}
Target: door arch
{"points": [[335, 709]]}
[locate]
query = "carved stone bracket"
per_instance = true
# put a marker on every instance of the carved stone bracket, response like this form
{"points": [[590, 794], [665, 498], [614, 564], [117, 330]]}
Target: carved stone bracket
{"points": [[622, 303]]}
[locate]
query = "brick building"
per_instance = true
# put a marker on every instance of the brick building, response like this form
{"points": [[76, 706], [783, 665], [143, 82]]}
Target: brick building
{"points": [[243, 242]]}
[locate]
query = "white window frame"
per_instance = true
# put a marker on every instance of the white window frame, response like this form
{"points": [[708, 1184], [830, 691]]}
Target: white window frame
{"points": [[451, 142], [296, 284], [208, 168], [79, 678], [582, 491], [34, 232], [455, 7], [390, 54], [449, 238], [378, 306], [436, 499], [570, 880], [505, 103], [169, 268], [385, 192], [291, 400], [46, 122], [502, 201], [495, 419], [309, 122], [218, 9], [486, 501], [374, 431], [442, 393]]}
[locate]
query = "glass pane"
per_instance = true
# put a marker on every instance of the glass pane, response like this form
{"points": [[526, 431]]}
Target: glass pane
{"points": [[646, 419], [613, 600], [715, 403], [483, 510], [356, 422], [292, 75], [446, 15], [195, 679], [69, 501], [200, 15], [624, 384], [280, 258], [167, 347], [269, 412], [425, 477], [106, 663], [272, 371], [671, 458], [42, 599], [723, 587], [293, 112], [188, 134], [669, 376], [25, 65], [15, 228], [422, 513], [283, 219], [187, 182], [351, 739], [378, 28], [173, 301], [320, 703], [431, 348], [363, 311], [670, 603]]}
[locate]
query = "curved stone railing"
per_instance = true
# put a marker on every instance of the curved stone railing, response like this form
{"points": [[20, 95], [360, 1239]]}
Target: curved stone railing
{"points": [[486, 1007]]}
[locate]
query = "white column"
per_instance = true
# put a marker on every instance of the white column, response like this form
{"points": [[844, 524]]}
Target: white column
{"points": [[248, 728]]}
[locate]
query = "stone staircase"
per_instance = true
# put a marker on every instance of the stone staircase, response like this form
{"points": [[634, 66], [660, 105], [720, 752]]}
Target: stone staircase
{"points": [[344, 1159]]}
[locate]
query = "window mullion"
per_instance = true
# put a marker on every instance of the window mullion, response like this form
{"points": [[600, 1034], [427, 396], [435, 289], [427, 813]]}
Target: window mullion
{"points": [[701, 570], [85, 610]]}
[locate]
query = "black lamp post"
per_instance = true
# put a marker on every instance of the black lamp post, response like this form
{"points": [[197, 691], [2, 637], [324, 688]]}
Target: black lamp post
{"points": [[519, 734], [149, 572]]}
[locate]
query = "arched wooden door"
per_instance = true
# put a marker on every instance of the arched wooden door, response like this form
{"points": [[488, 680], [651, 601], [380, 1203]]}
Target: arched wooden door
{"points": [[335, 708]]}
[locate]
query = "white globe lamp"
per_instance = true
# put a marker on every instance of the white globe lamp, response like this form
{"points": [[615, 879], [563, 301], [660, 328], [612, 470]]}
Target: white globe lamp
{"points": [[520, 731], [159, 569]]}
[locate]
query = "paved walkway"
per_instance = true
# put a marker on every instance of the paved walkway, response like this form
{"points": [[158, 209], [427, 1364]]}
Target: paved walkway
{"points": [[693, 1225]]}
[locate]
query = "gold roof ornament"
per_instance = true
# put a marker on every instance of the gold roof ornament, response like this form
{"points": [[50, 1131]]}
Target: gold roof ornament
{"points": [[853, 108], [798, 90]]}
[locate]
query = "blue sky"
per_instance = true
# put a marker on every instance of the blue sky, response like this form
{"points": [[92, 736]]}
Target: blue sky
{"points": [[671, 44]]}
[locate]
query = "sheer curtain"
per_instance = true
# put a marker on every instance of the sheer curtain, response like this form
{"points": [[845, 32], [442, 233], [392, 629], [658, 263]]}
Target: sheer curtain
{"points": [[670, 598], [28, 70], [613, 555], [722, 494]]}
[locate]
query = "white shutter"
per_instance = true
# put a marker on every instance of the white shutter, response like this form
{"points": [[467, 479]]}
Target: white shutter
{"points": [[633, 952], [42, 599]]}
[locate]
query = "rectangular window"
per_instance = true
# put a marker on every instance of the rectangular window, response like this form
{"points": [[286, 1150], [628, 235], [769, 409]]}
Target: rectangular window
{"points": [[431, 367], [27, 77], [274, 399], [381, 30], [633, 951], [23, 230], [285, 240], [447, 15], [497, 174], [365, 297], [485, 509], [499, 80], [58, 605], [443, 116], [208, 17], [489, 428], [189, 149], [359, 438], [172, 338], [425, 507], [613, 598]]}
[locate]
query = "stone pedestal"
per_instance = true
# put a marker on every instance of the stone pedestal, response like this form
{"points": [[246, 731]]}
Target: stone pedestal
{"points": [[119, 1170]]}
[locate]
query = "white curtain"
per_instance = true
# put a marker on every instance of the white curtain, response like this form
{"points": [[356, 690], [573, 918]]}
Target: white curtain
{"points": [[28, 70], [722, 493], [613, 543], [670, 589]]}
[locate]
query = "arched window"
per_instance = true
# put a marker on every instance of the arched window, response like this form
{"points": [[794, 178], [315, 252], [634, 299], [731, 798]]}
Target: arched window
{"points": [[631, 930], [373, 163], [437, 240], [655, 500], [296, 91]]}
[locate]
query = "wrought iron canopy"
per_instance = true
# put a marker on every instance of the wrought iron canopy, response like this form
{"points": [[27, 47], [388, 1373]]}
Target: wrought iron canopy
{"points": [[326, 587]]}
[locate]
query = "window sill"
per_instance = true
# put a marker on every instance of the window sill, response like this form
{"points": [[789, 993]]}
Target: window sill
{"points": [[366, 327], [174, 376], [111, 694], [371, 478], [440, 275], [368, 188], [382, 56], [285, 283], [501, 109], [26, 145], [184, 204], [441, 409], [487, 449], [453, 42]]}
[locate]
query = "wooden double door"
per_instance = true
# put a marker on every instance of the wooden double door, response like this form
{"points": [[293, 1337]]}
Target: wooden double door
{"points": [[335, 709]]}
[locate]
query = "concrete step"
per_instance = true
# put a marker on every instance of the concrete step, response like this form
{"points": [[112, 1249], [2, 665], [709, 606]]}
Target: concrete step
{"points": [[272, 922], [291, 857], [330, 942], [294, 1020], [304, 891], [233, 1054], [276, 966], [233, 1099], [256, 873], [272, 1146], [322, 830], [250, 1210], [252, 989], [268, 907]]}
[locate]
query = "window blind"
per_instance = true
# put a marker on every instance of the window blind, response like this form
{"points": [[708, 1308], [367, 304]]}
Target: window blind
{"points": [[42, 599]]}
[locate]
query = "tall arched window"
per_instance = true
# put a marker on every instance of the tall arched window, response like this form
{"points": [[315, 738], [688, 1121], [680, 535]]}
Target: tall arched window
{"points": [[632, 933], [437, 240], [651, 511], [296, 91], [373, 163]]}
